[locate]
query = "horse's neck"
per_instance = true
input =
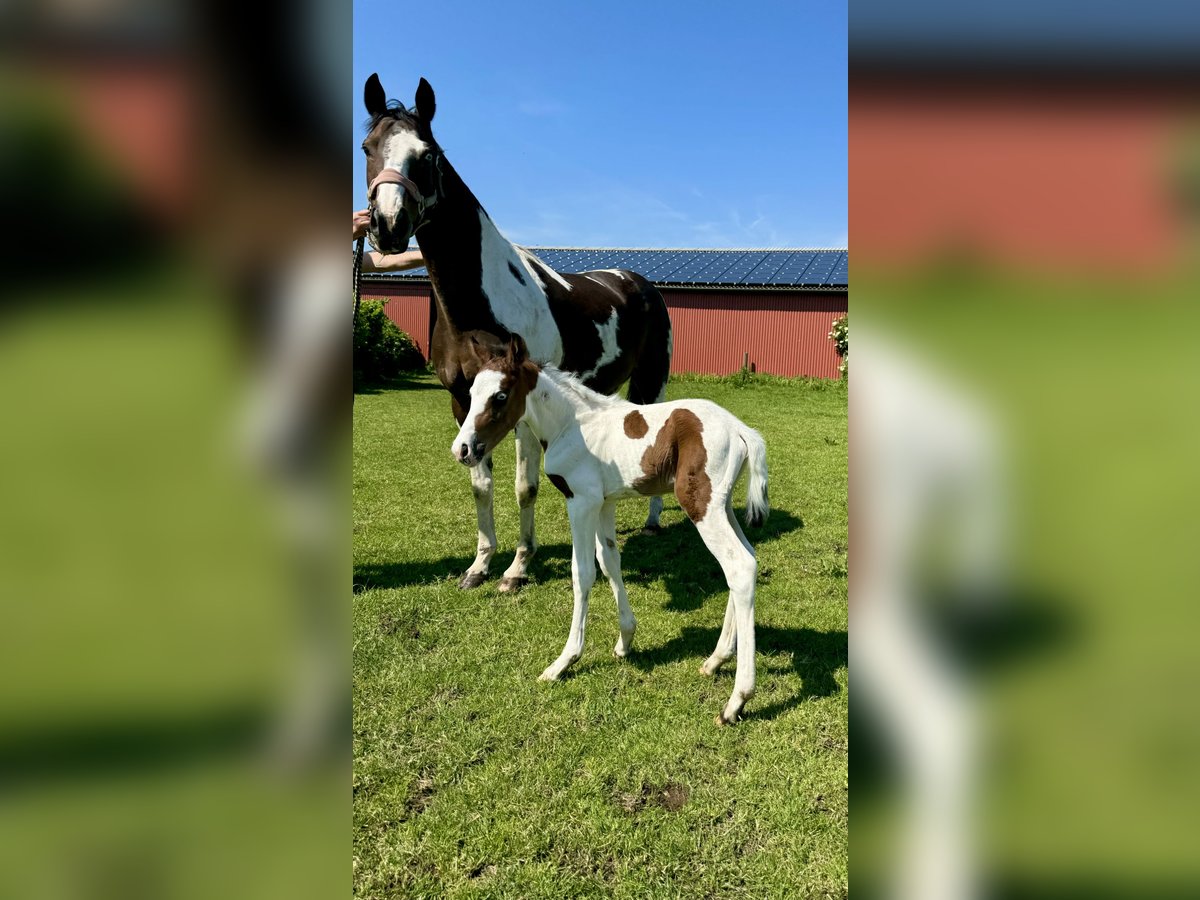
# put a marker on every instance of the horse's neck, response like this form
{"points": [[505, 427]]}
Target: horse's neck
{"points": [[551, 409], [556, 404], [460, 243]]}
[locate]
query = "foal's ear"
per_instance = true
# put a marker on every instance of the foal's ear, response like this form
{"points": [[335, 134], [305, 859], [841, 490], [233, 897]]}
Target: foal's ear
{"points": [[478, 352], [374, 96], [517, 351], [426, 105]]}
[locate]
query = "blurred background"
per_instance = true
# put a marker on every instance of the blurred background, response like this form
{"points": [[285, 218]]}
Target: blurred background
{"points": [[174, 371], [1024, 197]]}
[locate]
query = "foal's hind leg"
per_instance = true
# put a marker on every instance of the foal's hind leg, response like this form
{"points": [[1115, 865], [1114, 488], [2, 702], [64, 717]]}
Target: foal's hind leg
{"points": [[741, 570], [727, 643], [610, 565], [529, 466], [481, 487]]}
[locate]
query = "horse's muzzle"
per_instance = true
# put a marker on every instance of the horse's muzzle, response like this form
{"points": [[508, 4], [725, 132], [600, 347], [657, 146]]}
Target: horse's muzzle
{"points": [[393, 238]]}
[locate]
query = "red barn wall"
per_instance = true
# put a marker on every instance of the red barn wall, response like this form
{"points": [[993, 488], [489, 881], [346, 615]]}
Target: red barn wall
{"points": [[1019, 172], [784, 332], [408, 304]]}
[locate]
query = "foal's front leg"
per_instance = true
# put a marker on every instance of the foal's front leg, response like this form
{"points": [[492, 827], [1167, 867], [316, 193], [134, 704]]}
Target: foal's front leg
{"points": [[529, 470], [584, 513], [485, 549]]}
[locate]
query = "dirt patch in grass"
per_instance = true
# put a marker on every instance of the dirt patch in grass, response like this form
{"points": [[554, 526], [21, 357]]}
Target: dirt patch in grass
{"points": [[670, 796], [419, 796]]}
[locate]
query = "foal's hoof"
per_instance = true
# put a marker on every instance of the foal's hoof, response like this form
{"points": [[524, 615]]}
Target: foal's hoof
{"points": [[722, 721], [512, 585], [651, 529], [471, 580]]}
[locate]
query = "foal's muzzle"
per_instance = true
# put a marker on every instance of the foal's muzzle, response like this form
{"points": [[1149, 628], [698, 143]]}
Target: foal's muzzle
{"points": [[470, 455]]}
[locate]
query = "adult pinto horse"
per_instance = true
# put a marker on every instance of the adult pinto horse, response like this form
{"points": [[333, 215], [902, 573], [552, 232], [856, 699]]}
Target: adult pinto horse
{"points": [[607, 327]]}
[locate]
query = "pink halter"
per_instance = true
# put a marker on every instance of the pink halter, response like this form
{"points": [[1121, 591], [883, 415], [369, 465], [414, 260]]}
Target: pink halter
{"points": [[395, 176]]}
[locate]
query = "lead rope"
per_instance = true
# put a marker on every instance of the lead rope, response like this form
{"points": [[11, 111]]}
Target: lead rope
{"points": [[358, 257]]}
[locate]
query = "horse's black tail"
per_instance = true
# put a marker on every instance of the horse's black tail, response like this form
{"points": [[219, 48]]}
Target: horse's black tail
{"points": [[648, 383]]}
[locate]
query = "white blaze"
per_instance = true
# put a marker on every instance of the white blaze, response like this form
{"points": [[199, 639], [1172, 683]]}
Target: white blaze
{"points": [[399, 150], [486, 384]]}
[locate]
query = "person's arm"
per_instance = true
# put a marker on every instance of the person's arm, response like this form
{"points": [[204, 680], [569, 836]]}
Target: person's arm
{"points": [[374, 261]]}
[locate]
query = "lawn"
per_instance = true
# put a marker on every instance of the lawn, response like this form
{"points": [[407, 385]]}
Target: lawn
{"points": [[473, 779]]}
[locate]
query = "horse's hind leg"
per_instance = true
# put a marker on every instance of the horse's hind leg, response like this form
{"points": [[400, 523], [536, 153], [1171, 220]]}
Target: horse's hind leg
{"points": [[741, 571], [481, 487], [529, 466]]}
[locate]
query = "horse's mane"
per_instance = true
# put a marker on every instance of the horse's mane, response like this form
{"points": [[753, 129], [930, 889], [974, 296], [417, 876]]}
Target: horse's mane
{"points": [[395, 110], [580, 391]]}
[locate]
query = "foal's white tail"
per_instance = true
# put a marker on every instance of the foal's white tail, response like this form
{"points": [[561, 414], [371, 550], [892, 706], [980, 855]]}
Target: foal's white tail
{"points": [[757, 506]]}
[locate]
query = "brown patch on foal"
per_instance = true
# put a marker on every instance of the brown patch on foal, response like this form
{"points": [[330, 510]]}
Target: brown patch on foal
{"points": [[678, 457], [635, 425]]}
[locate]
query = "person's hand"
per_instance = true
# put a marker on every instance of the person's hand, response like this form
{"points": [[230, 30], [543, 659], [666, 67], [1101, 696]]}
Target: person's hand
{"points": [[362, 222]]}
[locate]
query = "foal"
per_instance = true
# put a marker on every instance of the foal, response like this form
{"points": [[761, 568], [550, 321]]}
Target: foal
{"points": [[600, 449]]}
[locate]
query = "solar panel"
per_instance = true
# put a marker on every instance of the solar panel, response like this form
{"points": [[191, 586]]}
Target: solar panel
{"points": [[821, 268], [744, 267], [667, 268], [705, 267], [753, 268], [841, 272]]}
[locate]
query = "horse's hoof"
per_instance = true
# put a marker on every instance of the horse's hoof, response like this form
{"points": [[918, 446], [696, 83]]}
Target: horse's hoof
{"points": [[651, 529], [720, 720], [512, 585], [471, 580], [705, 671]]}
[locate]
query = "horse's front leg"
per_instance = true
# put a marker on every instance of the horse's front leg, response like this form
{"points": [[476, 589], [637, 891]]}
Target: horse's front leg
{"points": [[529, 465], [485, 549], [584, 513]]}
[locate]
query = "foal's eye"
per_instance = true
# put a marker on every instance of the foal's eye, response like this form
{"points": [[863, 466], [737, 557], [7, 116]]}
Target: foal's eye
{"points": [[428, 157], [500, 397]]}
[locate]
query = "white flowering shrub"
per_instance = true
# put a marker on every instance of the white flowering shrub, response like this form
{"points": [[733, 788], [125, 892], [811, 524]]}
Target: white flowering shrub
{"points": [[840, 335]]}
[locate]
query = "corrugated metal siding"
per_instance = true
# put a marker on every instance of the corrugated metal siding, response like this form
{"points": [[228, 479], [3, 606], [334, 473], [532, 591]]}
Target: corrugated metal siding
{"points": [[784, 333], [407, 305]]}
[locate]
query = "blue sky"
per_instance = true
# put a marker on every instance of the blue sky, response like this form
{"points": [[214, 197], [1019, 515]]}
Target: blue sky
{"points": [[628, 124]]}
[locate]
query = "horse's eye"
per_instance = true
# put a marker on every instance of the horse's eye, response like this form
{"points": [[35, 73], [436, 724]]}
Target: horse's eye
{"points": [[428, 157], [500, 397], [366, 151]]}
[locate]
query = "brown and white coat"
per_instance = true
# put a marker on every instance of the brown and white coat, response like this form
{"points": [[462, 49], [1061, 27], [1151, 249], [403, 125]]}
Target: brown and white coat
{"points": [[611, 327], [600, 449]]}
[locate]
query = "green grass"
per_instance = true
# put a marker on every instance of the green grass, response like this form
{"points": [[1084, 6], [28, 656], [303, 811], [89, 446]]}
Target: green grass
{"points": [[473, 779]]}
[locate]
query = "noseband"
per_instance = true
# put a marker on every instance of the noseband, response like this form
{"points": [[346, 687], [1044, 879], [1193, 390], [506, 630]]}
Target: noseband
{"points": [[395, 176]]}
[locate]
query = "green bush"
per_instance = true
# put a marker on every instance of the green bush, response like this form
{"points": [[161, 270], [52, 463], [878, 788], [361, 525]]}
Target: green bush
{"points": [[840, 335], [381, 350]]}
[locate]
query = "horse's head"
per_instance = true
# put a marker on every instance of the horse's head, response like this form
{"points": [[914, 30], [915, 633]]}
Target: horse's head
{"points": [[403, 165], [505, 378]]}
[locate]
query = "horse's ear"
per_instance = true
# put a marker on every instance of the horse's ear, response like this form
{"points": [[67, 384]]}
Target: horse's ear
{"points": [[374, 96], [517, 351], [426, 105]]}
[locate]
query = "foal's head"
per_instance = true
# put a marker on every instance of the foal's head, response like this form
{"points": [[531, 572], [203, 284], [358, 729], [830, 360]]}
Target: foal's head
{"points": [[403, 165], [505, 378]]}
